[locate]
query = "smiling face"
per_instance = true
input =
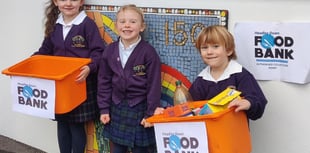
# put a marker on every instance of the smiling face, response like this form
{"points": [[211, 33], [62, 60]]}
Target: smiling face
{"points": [[69, 8], [129, 23], [216, 47]]}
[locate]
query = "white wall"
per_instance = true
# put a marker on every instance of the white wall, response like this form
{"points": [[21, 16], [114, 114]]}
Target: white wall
{"points": [[284, 127], [21, 33]]}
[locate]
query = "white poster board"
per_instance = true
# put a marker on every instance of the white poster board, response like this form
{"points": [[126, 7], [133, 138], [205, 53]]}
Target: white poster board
{"points": [[33, 96], [181, 137], [274, 50]]}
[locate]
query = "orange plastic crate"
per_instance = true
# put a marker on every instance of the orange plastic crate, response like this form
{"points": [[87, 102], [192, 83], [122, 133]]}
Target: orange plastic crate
{"points": [[64, 70], [228, 131]]}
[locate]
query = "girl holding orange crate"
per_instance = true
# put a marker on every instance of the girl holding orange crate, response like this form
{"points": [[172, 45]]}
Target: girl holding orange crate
{"points": [[69, 32]]}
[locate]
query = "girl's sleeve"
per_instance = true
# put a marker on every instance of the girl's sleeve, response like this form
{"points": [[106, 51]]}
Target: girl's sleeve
{"points": [[104, 96], [154, 82], [95, 44]]}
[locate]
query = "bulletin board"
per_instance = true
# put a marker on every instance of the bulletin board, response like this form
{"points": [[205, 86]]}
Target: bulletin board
{"points": [[172, 32]]}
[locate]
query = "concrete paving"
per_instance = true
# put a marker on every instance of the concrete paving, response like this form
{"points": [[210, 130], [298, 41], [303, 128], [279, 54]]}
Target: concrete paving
{"points": [[8, 145]]}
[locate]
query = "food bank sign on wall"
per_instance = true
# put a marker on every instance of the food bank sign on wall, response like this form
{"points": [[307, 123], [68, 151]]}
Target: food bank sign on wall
{"points": [[274, 51]]}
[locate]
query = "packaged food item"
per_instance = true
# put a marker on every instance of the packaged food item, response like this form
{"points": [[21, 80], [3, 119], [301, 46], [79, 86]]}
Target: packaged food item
{"points": [[178, 111], [216, 104], [220, 101]]}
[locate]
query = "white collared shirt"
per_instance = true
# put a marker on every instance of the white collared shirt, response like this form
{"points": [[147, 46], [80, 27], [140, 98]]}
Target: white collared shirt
{"points": [[126, 52], [76, 21], [233, 67]]}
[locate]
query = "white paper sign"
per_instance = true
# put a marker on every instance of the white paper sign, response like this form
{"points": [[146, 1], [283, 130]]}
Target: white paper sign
{"points": [[33, 96], [179, 137], [274, 50]]}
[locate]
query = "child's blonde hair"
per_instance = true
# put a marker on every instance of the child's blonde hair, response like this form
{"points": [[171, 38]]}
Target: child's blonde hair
{"points": [[131, 7], [217, 34]]}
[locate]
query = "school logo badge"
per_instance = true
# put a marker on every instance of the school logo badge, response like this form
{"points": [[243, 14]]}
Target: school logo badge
{"points": [[139, 69], [78, 41]]}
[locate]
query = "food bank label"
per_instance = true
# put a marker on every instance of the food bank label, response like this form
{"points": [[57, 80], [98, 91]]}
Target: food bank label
{"points": [[181, 137], [33, 96]]}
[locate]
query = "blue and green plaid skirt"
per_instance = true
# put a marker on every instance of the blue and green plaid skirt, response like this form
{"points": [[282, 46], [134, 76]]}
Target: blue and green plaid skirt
{"points": [[125, 128]]}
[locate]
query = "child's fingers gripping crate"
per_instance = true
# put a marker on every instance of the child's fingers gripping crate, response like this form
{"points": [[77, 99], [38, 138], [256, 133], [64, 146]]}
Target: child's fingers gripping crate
{"points": [[227, 131], [64, 70]]}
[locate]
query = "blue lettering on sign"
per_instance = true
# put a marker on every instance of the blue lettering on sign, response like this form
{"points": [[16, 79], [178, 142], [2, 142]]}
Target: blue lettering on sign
{"points": [[27, 91], [267, 41], [174, 143]]}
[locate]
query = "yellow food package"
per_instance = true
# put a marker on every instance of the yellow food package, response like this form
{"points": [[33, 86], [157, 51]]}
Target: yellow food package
{"points": [[220, 101], [225, 97]]}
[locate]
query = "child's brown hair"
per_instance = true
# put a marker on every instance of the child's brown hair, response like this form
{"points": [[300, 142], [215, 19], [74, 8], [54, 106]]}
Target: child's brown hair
{"points": [[51, 15], [216, 34]]}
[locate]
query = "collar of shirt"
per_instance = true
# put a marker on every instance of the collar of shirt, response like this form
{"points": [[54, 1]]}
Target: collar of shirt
{"points": [[126, 52], [76, 21], [233, 67]]}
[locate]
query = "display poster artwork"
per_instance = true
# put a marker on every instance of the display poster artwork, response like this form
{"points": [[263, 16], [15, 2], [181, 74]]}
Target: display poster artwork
{"points": [[172, 32], [33, 96], [274, 50]]}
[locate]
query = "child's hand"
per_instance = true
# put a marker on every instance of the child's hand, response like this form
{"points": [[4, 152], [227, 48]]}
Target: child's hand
{"points": [[240, 104], [146, 124], [159, 110], [83, 74], [105, 118]]}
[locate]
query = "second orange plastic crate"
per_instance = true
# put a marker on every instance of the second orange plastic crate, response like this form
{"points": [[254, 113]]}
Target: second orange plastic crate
{"points": [[228, 131]]}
